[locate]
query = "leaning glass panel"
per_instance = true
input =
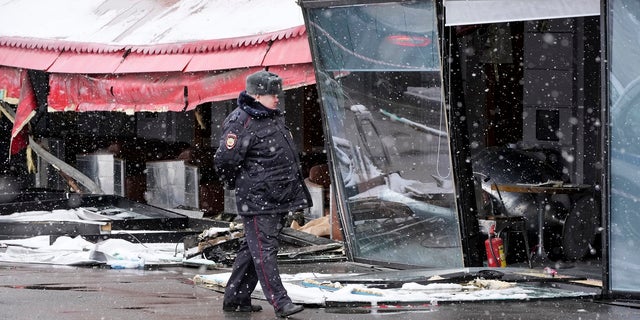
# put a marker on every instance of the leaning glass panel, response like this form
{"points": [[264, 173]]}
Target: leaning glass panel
{"points": [[379, 79]]}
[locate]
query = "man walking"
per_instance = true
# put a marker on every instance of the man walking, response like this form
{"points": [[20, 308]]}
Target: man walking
{"points": [[256, 157]]}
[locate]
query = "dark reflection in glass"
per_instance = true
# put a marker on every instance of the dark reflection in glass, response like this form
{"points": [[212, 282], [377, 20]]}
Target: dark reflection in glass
{"points": [[379, 81]]}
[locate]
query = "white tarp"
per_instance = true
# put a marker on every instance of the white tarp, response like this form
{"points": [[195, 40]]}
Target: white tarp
{"points": [[116, 253], [467, 12]]}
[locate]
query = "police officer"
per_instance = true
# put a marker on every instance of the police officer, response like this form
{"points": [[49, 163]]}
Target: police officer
{"points": [[256, 157]]}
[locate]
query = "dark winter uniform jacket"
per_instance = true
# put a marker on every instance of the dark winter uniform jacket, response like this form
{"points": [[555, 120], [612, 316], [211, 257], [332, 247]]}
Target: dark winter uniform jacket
{"points": [[256, 157]]}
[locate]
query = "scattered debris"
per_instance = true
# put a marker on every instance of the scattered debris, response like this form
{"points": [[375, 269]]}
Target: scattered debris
{"points": [[321, 290], [312, 249], [550, 272], [320, 227], [491, 284], [95, 219]]}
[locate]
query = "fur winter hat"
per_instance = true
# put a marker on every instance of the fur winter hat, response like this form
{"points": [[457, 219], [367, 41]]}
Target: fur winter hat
{"points": [[264, 83]]}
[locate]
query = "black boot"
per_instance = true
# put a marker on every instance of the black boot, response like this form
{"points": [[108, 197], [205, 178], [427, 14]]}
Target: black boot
{"points": [[289, 309], [237, 308]]}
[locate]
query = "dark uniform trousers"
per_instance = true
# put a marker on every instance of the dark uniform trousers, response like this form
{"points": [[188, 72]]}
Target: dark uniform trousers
{"points": [[256, 260]]}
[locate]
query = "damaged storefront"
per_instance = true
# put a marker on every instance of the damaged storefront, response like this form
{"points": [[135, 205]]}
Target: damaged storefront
{"points": [[108, 130], [441, 126], [446, 119]]}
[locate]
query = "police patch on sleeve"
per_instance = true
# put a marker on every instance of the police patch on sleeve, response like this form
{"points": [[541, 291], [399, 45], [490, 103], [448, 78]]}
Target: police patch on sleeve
{"points": [[231, 140]]}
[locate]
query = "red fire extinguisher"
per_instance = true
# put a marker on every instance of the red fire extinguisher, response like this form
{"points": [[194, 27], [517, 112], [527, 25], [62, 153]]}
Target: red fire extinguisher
{"points": [[495, 249]]}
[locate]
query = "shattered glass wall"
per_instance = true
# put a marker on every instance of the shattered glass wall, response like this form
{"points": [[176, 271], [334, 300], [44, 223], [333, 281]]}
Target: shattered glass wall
{"points": [[379, 81], [624, 94]]}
